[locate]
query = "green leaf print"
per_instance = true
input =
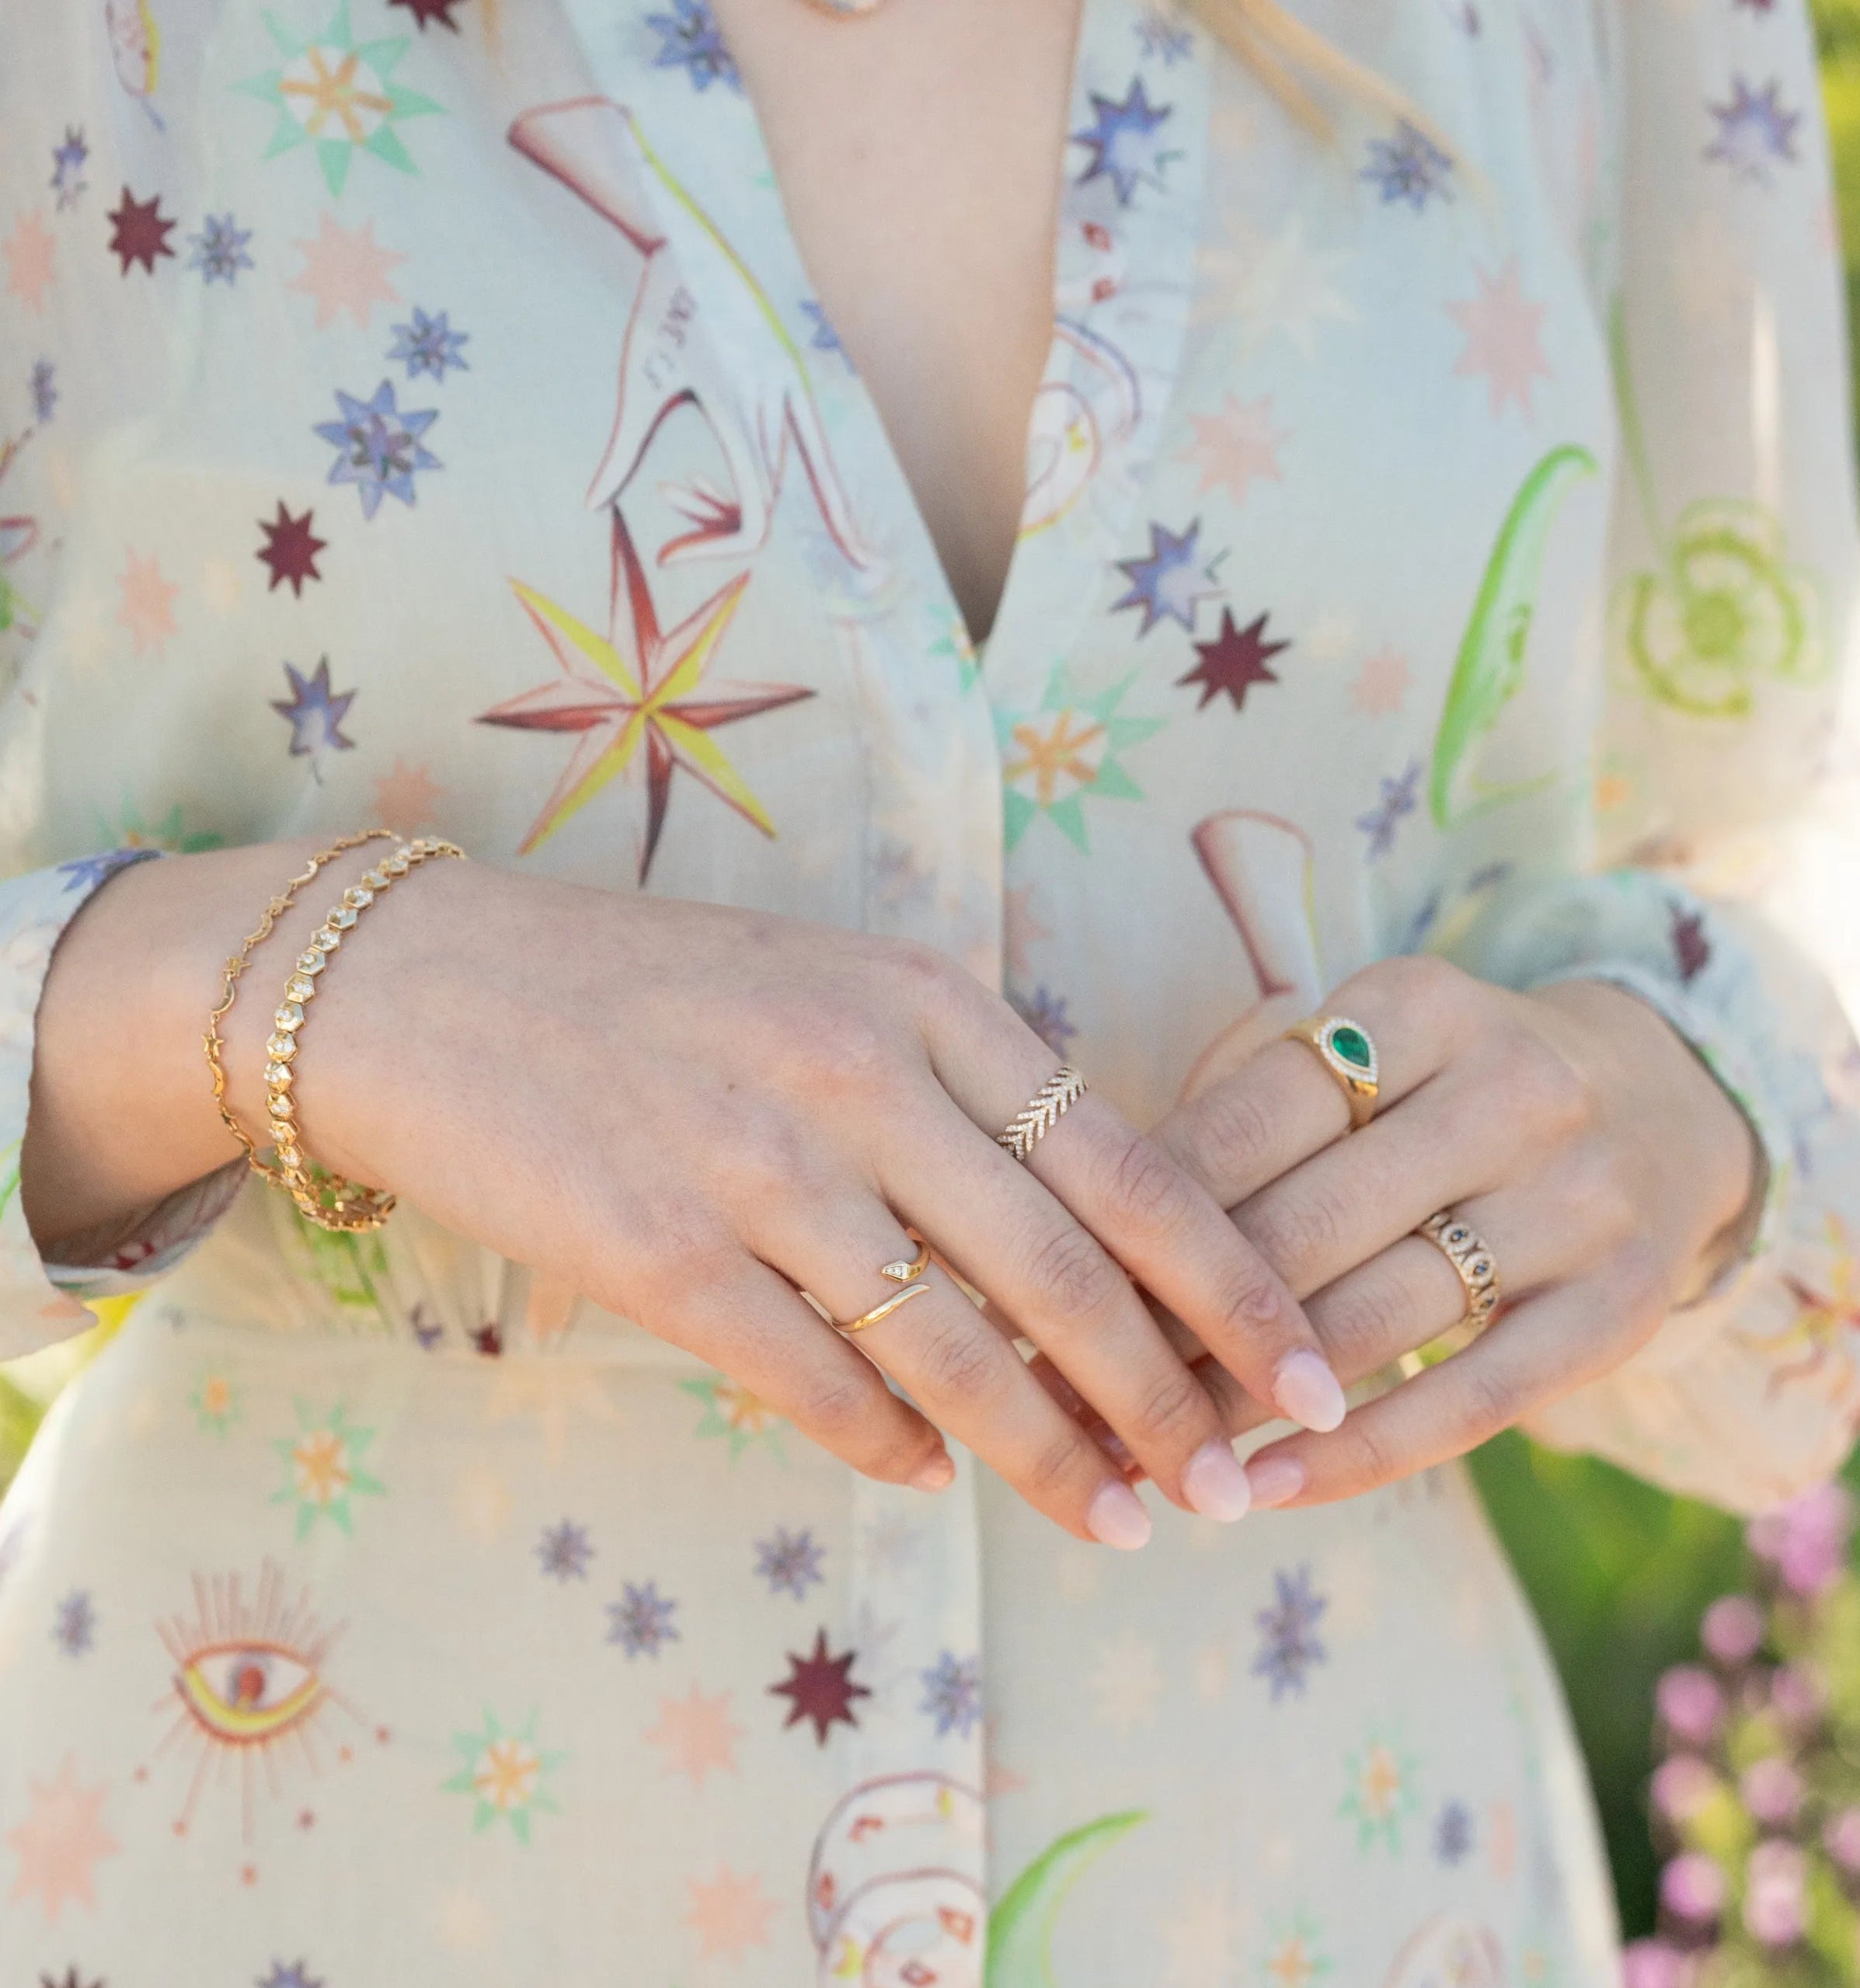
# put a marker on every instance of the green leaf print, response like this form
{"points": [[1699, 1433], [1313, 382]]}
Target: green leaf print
{"points": [[1723, 608], [1490, 666], [1020, 1928]]}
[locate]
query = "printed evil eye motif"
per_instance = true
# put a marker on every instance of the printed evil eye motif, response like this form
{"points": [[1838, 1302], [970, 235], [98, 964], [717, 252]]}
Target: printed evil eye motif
{"points": [[250, 1695], [248, 1692]]}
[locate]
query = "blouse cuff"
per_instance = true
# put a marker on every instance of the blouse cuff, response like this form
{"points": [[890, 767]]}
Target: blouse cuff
{"points": [[40, 1298], [1656, 940]]}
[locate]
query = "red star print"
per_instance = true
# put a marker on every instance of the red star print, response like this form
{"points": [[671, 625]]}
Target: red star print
{"points": [[137, 233], [488, 1340], [1691, 949], [1234, 661], [290, 549], [821, 1688], [424, 11]]}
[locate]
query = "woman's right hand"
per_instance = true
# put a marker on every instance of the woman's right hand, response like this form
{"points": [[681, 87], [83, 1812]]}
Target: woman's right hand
{"points": [[689, 1114]]}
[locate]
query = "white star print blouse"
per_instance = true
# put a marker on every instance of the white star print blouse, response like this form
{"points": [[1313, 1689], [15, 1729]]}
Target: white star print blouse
{"points": [[419, 409]]}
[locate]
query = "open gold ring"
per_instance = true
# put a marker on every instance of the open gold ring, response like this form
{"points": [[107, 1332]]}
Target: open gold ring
{"points": [[908, 1273], [1348, 1051]]}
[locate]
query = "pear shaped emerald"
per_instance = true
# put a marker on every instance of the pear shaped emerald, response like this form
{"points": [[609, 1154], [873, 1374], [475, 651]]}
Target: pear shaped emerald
{"points": [[1353, 1045]]}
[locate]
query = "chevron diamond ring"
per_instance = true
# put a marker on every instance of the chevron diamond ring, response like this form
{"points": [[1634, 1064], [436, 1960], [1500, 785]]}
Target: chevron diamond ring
{"points": [[1042, 1112]]}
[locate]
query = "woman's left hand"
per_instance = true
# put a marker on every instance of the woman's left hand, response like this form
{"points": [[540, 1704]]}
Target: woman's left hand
{"points": [[1574, 1131]]}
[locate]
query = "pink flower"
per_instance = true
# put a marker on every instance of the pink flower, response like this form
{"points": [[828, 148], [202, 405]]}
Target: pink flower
{"points": [[1653, 1964], [1682, 1786], [1806, 1539], [1796, 1696], [1841, 1838], [1693, 1888], [1733, 1630], [1690, 1704], [1775, 1905], [1771, 1789]]}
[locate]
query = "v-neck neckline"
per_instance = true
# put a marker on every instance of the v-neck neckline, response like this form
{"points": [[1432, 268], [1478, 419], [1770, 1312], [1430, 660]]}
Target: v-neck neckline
{"points": [[1122, 271]]}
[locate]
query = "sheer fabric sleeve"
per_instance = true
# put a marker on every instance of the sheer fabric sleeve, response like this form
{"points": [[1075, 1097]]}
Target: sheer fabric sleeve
{"points": [[1728, 775], [41, 1300]]}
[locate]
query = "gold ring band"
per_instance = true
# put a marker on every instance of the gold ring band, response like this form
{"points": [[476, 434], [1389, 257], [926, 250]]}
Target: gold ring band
{"points": [[908, 1271], [1042, 1112], [1477, 1268], [878, 1311], [1348, 1051]]}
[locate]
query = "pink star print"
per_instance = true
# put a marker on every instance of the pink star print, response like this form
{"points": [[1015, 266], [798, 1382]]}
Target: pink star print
{"points": [[1504, 337], [345, 269], [60, 1843], [29, 260], [729, 1914], [148, 608], [1234, 446]]}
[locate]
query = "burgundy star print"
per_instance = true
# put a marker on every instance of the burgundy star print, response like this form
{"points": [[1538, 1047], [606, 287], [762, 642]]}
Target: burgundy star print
{"points": [[1234, 661], [821, 1688], [137, 233], [290, 549]]}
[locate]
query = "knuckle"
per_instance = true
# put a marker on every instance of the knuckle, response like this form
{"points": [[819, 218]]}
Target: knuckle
{"points": [[1176, 1404], [1545, 1089], [1294, 1230], [1046, 1471], [1073, 1271], [1232, 1134], [836, 1407], [1250, 1302], [1365, 1320], [678, 1250], [959, 1359], [1494, 1401], [769, 1160], [932, 982], [1373, 1458], [1425, 980], [1145, 1189]]}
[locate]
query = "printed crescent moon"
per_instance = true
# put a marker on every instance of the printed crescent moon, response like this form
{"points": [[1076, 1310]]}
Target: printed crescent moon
{"points": [[1020, 1928], [1490, 666]]}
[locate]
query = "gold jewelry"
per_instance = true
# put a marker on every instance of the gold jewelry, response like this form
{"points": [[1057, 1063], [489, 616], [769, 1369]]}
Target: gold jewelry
{"points": [[878, 1311], [907, 1274], [242, 958], [328, 1200], [1477, 1268], [1348, 1051], [1464, 1248], [1042, 1112]]}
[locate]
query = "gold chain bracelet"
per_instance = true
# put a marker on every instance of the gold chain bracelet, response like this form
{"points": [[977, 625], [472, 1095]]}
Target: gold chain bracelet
{"points": [[328, 1200], [242, 960]]}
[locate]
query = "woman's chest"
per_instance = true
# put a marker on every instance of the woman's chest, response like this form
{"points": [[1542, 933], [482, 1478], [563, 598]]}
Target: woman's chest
{"points": [[453, 430]]}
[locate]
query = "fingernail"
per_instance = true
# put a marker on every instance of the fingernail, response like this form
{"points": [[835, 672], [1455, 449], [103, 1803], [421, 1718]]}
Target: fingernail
{"points": [[1274, 1480], [938, 1475], [1306, 1390], [1116, 1516], [1215, 1483]]}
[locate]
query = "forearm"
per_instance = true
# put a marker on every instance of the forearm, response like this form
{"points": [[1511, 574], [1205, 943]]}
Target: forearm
{"points": [[122, 1111]]}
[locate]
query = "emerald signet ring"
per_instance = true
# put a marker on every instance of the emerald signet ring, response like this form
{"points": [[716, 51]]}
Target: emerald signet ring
{"points": [[1348, 1051]]}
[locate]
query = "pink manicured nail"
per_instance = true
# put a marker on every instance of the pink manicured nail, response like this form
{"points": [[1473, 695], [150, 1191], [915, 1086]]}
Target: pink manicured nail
{"points": [[1306, 1391], [938, 1475], [1274, 1480], [1215, 1483], [1116, 1516]]}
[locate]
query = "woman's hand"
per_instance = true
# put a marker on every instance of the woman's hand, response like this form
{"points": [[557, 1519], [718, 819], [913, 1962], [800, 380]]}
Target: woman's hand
{"points": [[689, 1114], [1575, 1132]]}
